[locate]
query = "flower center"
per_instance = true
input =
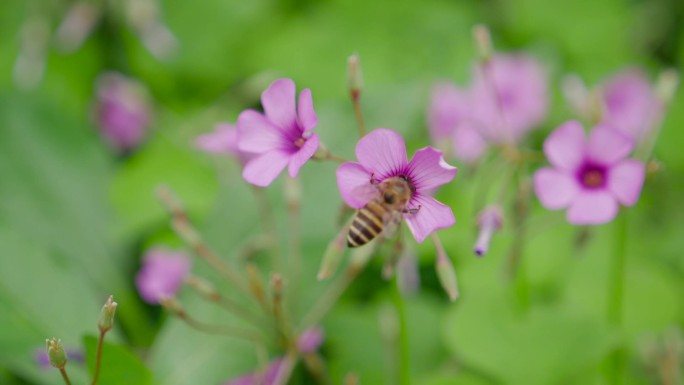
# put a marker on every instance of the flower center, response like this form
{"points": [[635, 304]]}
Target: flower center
{"points": [[299, 142], [592, 176]]}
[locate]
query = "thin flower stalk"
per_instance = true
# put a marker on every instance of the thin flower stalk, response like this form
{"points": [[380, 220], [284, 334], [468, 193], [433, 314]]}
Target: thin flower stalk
{"points": [[184, 229]]}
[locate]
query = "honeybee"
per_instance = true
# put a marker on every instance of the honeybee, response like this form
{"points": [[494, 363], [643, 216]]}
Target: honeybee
{"points": [[382, 214]]}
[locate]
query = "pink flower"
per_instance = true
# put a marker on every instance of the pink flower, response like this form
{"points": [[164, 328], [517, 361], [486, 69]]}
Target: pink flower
{"points": [[382, 155], [223, 140], [281, 137], [589, 177], [630, 104], [162, 274], [268, 377], [509, 97], [122, 110], [450, 120]]}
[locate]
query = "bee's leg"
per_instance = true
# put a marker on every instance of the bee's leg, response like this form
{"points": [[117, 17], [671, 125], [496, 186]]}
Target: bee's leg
{"points": [[412, 211]]}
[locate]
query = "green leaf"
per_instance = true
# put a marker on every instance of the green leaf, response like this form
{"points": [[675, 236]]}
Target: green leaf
{"points": [[119, 365]]}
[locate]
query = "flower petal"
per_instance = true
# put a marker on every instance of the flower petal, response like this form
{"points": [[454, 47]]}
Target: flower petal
{"points": [[353, 181], [305, 111], [554, 188], [262, 170], [565, 146], [279, 104], [449, 105], [305, 153], [592, 208], [256, 134], [625, 181], [432, 216], [469, 145], [223, 140], [383, 152], [428, 170], [607, 145]]}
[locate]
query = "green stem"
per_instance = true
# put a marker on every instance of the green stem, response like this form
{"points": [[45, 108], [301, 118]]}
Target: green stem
{"points": [[404, 348], [616, 295], [98, 358], [65, 376]]}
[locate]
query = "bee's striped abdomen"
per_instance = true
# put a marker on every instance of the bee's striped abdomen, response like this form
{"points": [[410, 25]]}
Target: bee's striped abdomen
{"points": [[366, 225]]}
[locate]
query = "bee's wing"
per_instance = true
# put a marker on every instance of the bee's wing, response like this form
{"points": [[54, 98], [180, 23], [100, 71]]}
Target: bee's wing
{"points": [[366, 191], [390, 221]]}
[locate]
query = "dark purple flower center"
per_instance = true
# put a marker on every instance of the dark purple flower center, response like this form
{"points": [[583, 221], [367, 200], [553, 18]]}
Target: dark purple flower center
{"points": [[592, 176]]}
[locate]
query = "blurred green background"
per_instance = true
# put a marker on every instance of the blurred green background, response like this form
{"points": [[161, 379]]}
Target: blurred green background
{"points": [[75, 217]]}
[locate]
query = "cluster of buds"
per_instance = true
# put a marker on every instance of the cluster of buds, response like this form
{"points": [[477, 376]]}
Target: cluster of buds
{"points": [[57, 356]]}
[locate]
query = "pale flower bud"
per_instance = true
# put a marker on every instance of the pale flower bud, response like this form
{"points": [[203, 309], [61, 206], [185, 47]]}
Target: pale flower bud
{"points": [[107, 315], [445, 270], [56, 354], [354, 75]]}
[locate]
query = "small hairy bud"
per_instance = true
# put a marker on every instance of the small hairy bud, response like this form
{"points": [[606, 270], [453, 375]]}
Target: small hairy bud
{"points": [[107, 315], [483, 42], [354, 75], [56, 354]]}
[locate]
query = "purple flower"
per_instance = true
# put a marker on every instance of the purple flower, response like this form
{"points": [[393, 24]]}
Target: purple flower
{"points": [[310, 340], [223, 140], [382, 155], [162, 274], [489, 221], [450, 120], [590, 176], [268, 377], [280, 137], [630, 104], [122, 110], [509, 97]]}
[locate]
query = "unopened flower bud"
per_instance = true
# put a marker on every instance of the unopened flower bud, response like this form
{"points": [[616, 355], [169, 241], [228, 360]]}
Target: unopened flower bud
{"points": [[667, 85], [122, 110], [576, 93], [78, 23], [56, 354], [408, 277], [107, 315], [354, 76], [310, 340], [483, 42], [256, 284], [489, 221], [445, 270], [332, 256]]}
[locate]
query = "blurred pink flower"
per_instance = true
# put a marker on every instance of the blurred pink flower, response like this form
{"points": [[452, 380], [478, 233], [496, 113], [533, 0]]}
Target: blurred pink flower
{"points": [[630, 104], [122, 110], [510, 97], [268, 377], [450, 121], [589, 177], [310, 340], [382, 155], [280, 137], [223, 140], [162, 274]]}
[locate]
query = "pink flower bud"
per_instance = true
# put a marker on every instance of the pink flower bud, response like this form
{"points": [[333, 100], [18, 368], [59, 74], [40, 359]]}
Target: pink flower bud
{"points": [[489, 221], [122, 110]]}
